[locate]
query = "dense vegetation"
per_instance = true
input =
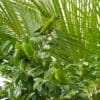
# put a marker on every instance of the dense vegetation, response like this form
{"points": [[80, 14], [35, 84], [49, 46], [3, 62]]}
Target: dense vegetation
{"points": [[50, 49]]}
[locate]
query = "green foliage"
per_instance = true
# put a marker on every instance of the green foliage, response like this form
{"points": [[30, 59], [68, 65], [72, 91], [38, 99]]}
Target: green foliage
{"points": [[49, 49]]}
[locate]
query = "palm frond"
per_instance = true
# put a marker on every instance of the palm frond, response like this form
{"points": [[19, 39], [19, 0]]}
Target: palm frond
{"points": [[10, 17], [77, 27]]}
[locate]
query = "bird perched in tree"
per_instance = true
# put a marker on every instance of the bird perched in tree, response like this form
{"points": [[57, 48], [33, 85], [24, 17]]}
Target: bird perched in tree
{"points": [[47, 27]]}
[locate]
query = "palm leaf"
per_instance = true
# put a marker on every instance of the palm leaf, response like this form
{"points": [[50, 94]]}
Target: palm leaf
{"points": [[79, 26], [10, 17], [76, 29]]}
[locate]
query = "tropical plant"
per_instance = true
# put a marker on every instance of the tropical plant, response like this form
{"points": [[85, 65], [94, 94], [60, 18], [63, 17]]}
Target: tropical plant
{"points": [[50, 49]]}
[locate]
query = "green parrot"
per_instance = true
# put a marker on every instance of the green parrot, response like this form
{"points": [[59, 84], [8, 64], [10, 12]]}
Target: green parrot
{"points": [[48, 25], [60, 76]]}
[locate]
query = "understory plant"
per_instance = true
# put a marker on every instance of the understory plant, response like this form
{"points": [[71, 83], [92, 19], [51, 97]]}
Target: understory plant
{"points": [[50, 49]]}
